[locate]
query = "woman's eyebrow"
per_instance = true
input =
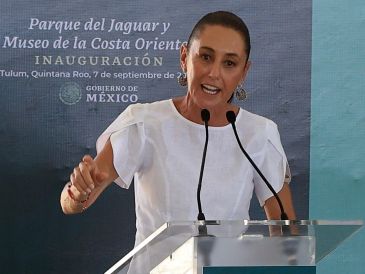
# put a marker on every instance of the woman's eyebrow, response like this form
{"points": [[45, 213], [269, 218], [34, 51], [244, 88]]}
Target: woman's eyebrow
{"points": [[230, 54]]}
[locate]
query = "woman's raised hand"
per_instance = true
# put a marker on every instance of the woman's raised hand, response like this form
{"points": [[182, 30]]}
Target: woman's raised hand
{"points": [[88, 180], [86, 176]]}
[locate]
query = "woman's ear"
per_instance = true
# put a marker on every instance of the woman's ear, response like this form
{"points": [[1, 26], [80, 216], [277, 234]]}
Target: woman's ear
{"points": [[245, 70], [183, 56]]}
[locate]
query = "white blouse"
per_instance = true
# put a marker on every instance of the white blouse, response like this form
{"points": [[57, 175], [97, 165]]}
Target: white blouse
{"points": [[162, 151]]}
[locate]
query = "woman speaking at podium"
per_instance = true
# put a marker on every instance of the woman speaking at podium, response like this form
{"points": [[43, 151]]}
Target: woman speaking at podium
{"points": [[160, 144]]}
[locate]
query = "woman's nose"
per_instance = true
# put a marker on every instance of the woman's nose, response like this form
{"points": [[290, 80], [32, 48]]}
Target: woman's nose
{"points": [[214, 72]]}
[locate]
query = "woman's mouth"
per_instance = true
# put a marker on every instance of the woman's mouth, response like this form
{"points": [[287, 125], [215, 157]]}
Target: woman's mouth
{"points": [[212, 90]]}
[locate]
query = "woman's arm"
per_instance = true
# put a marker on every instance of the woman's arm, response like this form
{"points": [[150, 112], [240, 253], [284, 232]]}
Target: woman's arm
{"points": [[88, 180], [272, 208]]}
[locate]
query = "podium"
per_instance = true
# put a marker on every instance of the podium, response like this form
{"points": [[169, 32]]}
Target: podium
{"points": [[232, 247]]}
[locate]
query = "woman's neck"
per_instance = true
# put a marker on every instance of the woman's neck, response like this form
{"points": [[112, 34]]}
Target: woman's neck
{"points": [[187, 108]]}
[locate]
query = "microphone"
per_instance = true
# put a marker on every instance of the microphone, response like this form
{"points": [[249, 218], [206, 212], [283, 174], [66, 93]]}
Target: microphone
{"points": [[231, 118], [205, 115]]}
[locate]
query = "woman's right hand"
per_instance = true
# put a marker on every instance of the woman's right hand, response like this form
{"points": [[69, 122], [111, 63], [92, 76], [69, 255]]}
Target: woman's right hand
{"points": [[86, 176], [88, 180]]}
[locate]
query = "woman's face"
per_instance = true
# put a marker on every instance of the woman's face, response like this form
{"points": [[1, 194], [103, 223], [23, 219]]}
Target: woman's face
{"points": [[215, 64]]}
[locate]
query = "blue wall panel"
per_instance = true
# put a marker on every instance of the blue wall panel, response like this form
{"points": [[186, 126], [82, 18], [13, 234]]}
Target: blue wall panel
{"points": [[337, 165]]}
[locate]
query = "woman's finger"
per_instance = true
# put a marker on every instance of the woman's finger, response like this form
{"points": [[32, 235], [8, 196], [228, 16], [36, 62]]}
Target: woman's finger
{"points": [[78, 181], [85, 171]]}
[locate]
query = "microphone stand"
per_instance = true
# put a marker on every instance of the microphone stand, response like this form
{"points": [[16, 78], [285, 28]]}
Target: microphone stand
{"points": [[205, 115], [206, 241], [231, 117]]}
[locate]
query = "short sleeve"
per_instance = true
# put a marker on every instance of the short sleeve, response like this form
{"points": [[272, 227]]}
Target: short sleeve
{"points": [[127, 138], [272, 163]]}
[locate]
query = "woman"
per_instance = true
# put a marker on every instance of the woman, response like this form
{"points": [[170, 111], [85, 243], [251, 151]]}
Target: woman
{"points": [[160, 144]]}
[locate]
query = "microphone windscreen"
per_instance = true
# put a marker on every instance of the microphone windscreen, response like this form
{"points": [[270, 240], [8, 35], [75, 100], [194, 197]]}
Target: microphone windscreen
{"points": [[231, 117], [205, 115]]}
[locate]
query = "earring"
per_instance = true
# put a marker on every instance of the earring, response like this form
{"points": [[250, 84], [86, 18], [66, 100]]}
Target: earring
{"points": [[240, 92], [182, 79]]}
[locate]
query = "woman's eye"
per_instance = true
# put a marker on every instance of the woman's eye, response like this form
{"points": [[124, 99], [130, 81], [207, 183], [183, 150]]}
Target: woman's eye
{"points": [[205, 57], [230, 63]]}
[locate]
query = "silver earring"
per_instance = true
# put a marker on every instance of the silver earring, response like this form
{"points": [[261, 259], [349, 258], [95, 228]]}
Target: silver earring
{"points": [[182, 79], [240, 92]]}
